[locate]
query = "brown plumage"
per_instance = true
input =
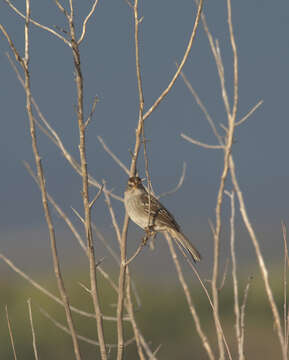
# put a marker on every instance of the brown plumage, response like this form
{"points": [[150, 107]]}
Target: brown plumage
{"points": [[152, 214]]}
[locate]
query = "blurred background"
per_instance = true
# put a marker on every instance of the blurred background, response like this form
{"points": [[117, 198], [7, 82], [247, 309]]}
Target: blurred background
{"points": [[108, 63]]}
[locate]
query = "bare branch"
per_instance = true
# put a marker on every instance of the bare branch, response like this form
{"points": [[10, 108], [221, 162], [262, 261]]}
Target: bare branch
{"points": [[179, 185], [46, 292], [261, 262], [11, 44], [224, 277], [202, 107], [85, 183], [86, 20], [254, 108], [10, 333], [196, 142], [138, 250], [43, 27], [112, 214], [95, 101], [182, 63], [133, 322], [202, 335], [32, 329], [55, 138], [61, 8], [285, 266], [239, 338], [115, 158], [218, 322], [80, 337], [95, 198], [243, 308]]}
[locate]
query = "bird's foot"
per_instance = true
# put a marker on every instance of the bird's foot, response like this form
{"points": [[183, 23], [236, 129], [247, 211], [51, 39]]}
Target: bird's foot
{"points": [[150, 233]]}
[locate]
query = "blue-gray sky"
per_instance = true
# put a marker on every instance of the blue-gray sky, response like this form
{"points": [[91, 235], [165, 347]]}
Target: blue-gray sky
{"points": [[107, 53]]}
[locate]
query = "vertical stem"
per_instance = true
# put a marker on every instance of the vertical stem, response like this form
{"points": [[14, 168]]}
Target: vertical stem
{"points": [[85, 193], [121, 288], [41, 179], [261, 262], [202, 335]]}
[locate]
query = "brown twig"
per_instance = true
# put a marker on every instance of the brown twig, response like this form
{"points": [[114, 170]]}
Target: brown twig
{"points": [[80, 337], [199, 143], [10, 333], [40, 174], [182, 63], [43, 27], [249, 113], [123, 245], [86, 20], [203, 108], [239, 337], [32, 330], [242, 310], [202, 335], [122, 273], [133, 322], [95, 101], [218, 322], [138, 250], [115, 158], [54, 137], [261, 262], [285, 267], [179, 184], [85, 183]]}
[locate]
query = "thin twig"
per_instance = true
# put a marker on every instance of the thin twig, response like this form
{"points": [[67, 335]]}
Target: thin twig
{"points": [[224, 277], [179, 184], [86, 20], [52, 134], [261, 262], [75, 233], [199, 143], [61, 8], [115, 158], [182, 63], [240, 343], [202, 335], [48, 293], [133, 322], [85, 183], [218, 322], [244, 118], [32, 330], [95, 101], [242, 311], [112, 214], [202, 107], [123, 244], [284, 233], [95, 198], [80, 337], [24, 63], [231, 115], [138, 250], [10, 333], [43, 27]]}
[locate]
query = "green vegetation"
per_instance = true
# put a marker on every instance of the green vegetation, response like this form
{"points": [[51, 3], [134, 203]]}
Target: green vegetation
{"points": [[163, 317]]}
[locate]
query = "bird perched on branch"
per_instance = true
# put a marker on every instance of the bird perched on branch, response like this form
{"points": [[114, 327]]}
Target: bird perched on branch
{"points": [[148, 213]]}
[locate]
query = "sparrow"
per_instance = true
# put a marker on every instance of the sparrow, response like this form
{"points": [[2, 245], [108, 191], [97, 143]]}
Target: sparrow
{"points": [[148, 213]]}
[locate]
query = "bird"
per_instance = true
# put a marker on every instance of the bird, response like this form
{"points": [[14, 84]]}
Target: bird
{"points": [[149, 214]]}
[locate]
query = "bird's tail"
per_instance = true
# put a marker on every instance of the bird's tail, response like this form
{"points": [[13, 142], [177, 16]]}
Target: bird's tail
{"points": [[186, 245]]}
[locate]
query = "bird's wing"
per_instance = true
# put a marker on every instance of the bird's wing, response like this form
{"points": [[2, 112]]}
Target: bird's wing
{"points": [[158, 212]]}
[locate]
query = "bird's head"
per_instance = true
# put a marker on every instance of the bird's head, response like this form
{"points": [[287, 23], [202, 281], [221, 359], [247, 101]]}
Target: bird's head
{"points": [[134, 183]]}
